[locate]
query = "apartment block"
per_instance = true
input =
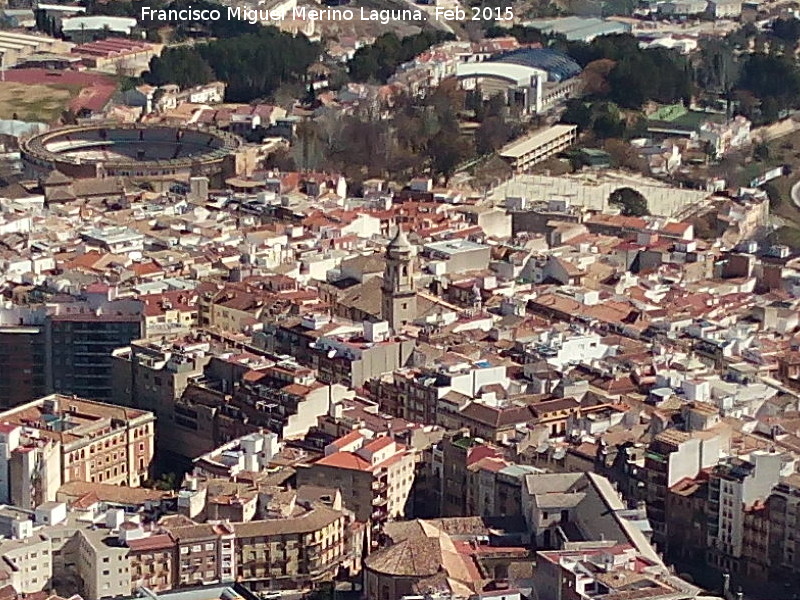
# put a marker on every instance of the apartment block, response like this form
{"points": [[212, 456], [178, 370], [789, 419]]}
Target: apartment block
{"points": [[23, 362], [152, 562], [30, 466], [290, 552], [152, 376], [103, 565], [736, 486], [27, 563], [204, 553], [540, 145], [82, 345], [374, 475], [672, 456], [783, 515], [98, 442]]}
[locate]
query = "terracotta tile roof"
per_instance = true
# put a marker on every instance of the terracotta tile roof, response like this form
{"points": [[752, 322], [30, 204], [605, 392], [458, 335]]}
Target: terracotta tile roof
{"points": [[344, 460]]}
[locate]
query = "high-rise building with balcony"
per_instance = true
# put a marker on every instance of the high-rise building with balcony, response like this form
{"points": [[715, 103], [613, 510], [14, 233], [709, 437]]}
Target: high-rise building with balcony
{"points": [[375, 475]]}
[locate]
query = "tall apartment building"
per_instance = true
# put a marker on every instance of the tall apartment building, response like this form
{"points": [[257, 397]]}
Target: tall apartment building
{"points": [[375, 476], [57, 439], [783, 515], [23, 362], [81, 351], [152, 376], [734, 488], [103, 565], [672, 456]]}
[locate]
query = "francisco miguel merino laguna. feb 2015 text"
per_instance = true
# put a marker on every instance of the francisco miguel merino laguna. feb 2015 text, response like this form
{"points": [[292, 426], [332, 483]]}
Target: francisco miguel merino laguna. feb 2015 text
{"points": [[259, 15]]}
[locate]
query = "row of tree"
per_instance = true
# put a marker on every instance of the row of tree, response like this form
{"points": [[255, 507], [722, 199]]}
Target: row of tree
{"points": [[253, 64], [378, 61]]}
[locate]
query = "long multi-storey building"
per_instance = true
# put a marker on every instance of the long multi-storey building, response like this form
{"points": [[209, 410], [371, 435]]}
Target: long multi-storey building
{"points": [[275, 552], [115, 557], [59, 439], [82, 346]]}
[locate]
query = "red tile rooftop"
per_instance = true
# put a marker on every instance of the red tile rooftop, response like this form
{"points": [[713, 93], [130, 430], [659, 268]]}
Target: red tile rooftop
{"points": [[344, 460], [348, 439], [153, 542], [379, 444]]}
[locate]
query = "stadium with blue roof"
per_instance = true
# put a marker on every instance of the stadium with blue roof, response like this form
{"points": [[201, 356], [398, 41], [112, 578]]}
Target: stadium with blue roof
{"points": [[559, 66]]}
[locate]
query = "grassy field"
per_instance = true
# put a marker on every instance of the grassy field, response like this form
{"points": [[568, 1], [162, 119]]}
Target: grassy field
{"points": [[43, 103]]}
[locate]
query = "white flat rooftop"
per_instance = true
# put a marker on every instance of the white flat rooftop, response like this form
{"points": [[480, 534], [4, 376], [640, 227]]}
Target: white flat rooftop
{"points": [[536, 140]]}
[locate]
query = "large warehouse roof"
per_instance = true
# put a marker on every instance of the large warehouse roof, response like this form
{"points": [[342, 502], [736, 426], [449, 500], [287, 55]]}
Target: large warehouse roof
{"points": [[518, 74], [97, 23], [580, 28], [558, 65]]}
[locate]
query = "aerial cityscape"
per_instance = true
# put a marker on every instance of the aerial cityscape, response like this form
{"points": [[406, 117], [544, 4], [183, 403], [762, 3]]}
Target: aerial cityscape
{"points": [[400, 299]]}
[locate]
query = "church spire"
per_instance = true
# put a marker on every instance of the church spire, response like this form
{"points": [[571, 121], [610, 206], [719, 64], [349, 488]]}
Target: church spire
{"points": [[400, 241]]}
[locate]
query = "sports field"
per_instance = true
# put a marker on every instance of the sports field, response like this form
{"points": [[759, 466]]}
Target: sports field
{"points": [[34, 102], [42, 95]]}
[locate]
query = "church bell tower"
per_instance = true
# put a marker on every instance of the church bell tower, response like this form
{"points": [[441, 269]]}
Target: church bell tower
{"points": [[399, 298]]}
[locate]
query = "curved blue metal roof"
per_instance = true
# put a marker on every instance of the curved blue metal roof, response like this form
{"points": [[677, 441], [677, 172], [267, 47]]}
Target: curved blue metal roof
{"points": [[559, 66]]}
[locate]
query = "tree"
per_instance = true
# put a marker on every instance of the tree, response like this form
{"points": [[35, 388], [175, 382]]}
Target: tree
{"points": [[787, 30], [378, 61], [523, 34], [166, 482], [595, 77], [716, 67], [577, 112], [631, 202], [616, 67], [253, 64], [774, 195], [761, 152], [493, 133], [624, 155], [774, 79], [607, 122], [182, 66]]}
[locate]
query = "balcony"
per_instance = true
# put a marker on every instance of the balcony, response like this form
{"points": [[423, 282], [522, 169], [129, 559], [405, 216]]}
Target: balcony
{"points": [[380, 514], [380, 485], [381, 500]]}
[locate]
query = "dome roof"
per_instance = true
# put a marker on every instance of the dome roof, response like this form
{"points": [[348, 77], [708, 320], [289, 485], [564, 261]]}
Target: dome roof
{"points": [[559, 66]]}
